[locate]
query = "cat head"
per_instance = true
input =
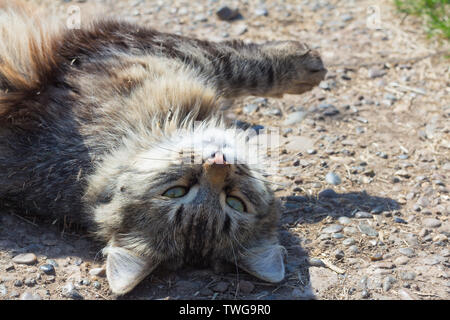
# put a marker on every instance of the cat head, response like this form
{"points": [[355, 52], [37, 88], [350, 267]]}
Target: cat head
{"points": [[188, 197]]}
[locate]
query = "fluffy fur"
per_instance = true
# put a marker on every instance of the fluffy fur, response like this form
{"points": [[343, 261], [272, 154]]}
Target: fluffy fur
{"points": [[97, 123]]}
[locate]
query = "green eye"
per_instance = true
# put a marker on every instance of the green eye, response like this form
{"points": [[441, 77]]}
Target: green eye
{"points": [[236, 204], [176, 192]]}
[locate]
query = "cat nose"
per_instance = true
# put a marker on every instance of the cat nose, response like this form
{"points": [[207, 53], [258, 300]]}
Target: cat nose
{"points": [[216, 170], [217, 158]]}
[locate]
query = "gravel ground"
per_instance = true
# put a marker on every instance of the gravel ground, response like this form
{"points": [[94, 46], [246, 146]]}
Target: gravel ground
{"points": [[364, 174]]}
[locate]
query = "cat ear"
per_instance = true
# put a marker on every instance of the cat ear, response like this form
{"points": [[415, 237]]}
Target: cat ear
{"points": [[125, 270], [264, 262]]}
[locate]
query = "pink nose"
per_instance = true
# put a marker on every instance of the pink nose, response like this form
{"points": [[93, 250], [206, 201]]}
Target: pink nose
{"points": [[218, 158]]}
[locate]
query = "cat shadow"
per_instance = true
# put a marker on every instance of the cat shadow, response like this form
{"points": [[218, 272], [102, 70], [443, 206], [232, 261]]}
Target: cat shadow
{"points": [[302, 211], [66, 245]]}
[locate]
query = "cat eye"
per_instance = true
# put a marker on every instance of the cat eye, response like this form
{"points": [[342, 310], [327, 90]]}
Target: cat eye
{"points": [[176, 192], [236, 204]]}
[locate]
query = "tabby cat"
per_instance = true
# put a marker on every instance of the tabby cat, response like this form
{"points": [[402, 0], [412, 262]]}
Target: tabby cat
{"points": [[97, 124]]}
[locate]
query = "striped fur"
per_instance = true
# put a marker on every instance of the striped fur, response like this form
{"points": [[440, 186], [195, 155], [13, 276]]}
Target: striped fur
{"points": [[93, 123]]}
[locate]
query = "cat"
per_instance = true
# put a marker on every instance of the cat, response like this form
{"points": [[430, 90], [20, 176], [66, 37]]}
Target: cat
{"points": [[97, 125]]}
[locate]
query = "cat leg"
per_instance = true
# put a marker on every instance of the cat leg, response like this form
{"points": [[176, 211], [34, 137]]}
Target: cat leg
{"points": [[270, 69]]}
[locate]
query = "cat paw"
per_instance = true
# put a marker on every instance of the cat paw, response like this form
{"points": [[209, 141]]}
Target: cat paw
{"points": [[300, 68]]}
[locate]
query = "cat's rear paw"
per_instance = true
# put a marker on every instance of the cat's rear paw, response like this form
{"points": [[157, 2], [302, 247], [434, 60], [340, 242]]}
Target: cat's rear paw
{"points": [[301, 67]]}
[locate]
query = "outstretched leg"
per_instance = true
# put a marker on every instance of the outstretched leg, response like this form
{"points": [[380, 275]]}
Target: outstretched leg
{"points": [[270, 69], [235, 68]]}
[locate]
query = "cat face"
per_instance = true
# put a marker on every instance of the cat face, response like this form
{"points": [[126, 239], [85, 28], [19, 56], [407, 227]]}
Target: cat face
{"points": [[192, 197]]}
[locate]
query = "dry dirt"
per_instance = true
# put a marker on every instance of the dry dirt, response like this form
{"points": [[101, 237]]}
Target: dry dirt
{"points": [[380, 121]]}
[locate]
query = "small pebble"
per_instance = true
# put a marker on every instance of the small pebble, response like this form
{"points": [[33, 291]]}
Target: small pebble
{"points": [[338, 254], [294, 118], [346, 17], [328, 109], [424, 232], [221, 286], [286, 131], [433, 260], [387, 283], [401, 260], [3, 290], [440, 239], [376, 257], [382, 155], [225, 13], [375, 73], [47, 268], [344, 220], [405, 295], [52, 262], [412, 240], [353, 249], [431, 223], [365, 294], [328, 193], [324, 236], [314, 262], [246, 287], [367, 230], [423, 202], [350, 230], [261, 12], [407, 275], [30, 282], [206, 292], [390, 97], [97, 272], [273, 112], [363, 214], [250, 108], [333, 228], [377, 210], [348, 242], [333, 178], [240, 29], [78, 262], [25, 258], [85, 282], [200, 18], [445, 253], [30, 296], [407, 252], [9, 267], [70, 291], [18, 283], [400, 220], [385, 265]]}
